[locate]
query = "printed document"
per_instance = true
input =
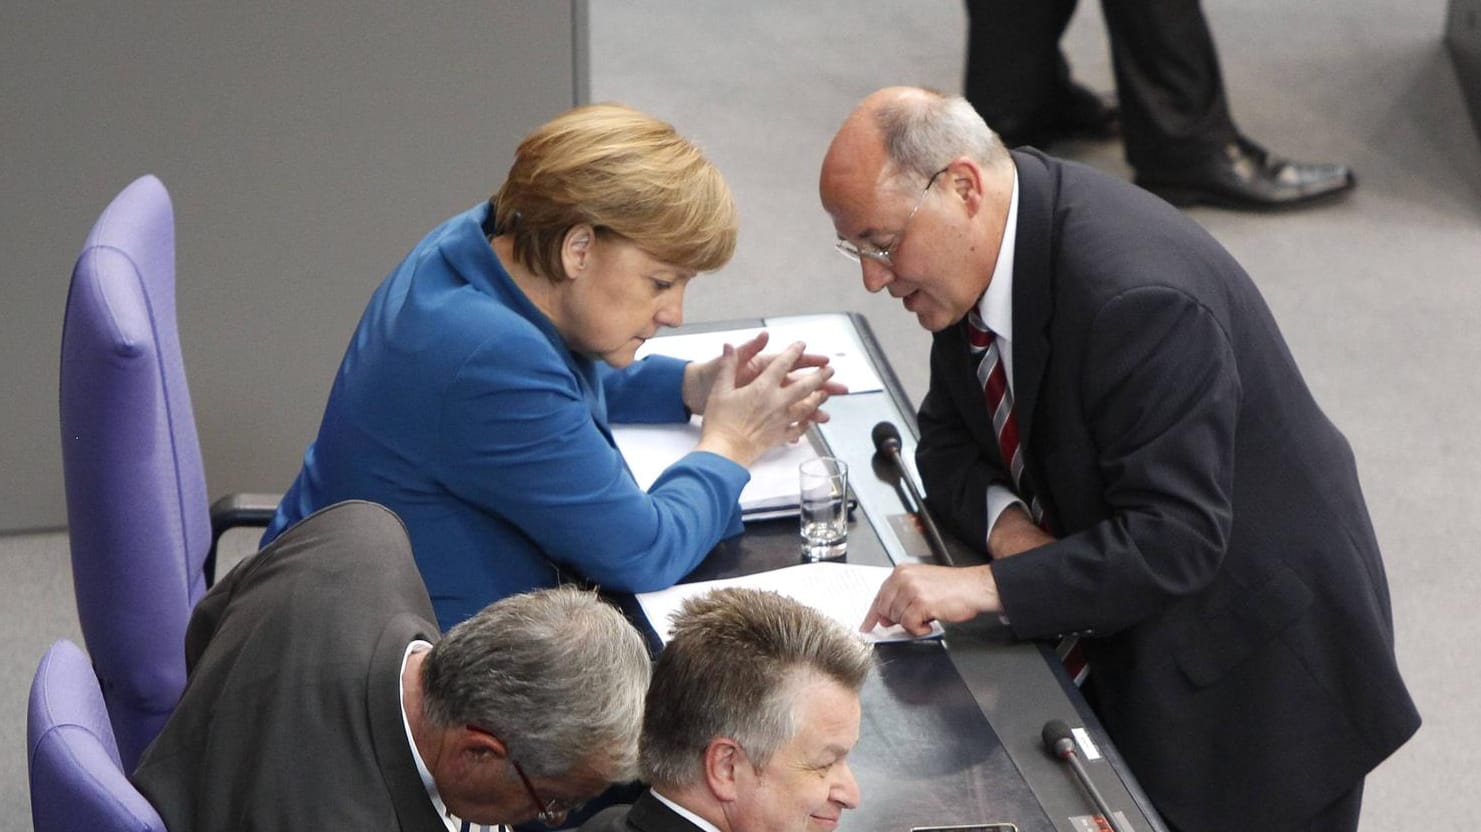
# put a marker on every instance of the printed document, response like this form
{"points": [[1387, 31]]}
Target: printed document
{"points": [[841, 591]]}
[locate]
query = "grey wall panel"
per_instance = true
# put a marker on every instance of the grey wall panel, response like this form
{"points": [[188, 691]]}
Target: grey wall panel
{"points": [[307, 147]]}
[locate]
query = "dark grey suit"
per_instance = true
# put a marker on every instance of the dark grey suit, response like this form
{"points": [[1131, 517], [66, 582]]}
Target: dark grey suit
{"points": [[291, 718], [646, 814], [1214, 538]]}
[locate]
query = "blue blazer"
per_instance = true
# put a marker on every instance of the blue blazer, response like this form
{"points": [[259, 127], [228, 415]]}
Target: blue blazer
{"points": [[459, 407]]}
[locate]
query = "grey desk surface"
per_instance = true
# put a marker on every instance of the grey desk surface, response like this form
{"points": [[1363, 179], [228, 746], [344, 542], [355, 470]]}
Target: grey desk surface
{"points": [[951, 727]]}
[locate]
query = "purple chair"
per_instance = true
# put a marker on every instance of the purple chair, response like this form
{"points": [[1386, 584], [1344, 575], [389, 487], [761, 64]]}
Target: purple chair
{"points": [[142, 533], [77, 781]]}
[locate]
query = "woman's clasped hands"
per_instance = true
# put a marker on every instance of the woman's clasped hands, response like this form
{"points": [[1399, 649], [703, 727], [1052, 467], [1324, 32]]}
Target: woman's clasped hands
{"points": [[753, 402]]}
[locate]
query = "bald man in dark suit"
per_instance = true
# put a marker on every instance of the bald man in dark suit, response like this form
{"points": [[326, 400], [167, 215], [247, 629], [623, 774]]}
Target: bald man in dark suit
{"points": [[1171, 493]]}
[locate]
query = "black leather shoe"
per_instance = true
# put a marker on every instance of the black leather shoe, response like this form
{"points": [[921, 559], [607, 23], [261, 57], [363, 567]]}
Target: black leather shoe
{"points": [[1246, 176], [1078, 114]]}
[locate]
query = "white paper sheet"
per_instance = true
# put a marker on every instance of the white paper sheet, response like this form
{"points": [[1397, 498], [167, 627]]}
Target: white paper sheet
{"points": [[841, 591], [828, 334], [650, 449], [832, 335], [696, 346]]}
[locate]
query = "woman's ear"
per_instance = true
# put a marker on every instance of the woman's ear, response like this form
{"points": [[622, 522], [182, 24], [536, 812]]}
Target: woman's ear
{"points": [[576, 248]]}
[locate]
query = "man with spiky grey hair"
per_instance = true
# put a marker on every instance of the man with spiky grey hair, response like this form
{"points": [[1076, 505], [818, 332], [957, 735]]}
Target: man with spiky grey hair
{"points": [[752, 712]]}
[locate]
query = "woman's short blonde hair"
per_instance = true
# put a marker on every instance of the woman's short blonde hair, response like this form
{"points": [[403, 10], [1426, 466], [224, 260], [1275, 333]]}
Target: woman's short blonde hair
{"points": [[622, 172]]}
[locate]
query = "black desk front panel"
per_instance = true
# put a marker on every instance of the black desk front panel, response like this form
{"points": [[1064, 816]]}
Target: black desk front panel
{"points": [[926, 754], [950, 727]]}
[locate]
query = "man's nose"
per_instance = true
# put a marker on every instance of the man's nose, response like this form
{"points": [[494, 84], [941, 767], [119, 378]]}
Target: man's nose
{"points": [[846, 790], [876, 274]]}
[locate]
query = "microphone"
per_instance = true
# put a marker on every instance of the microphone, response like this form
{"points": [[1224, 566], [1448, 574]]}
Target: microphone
{"points": [[887, 444], [1061, 743]]}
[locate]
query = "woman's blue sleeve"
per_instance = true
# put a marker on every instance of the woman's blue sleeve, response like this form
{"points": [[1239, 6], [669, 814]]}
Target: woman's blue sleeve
{"points": [[519, 440]]}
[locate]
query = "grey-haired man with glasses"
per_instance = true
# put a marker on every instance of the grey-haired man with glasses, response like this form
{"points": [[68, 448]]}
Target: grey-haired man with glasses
{"points": [[321, 696]]}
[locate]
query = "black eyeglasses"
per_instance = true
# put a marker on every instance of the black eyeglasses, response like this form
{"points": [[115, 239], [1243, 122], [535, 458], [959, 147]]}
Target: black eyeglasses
{"points": [[550, 813], [883, 255]]}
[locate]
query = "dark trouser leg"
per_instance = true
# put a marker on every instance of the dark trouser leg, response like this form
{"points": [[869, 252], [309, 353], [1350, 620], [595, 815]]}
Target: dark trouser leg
{"points": [[1173, 109], [1015, 70]]}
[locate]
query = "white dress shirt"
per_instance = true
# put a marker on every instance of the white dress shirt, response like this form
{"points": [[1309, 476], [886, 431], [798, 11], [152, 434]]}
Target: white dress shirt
{"points": [[453, 822], [996, 309]]}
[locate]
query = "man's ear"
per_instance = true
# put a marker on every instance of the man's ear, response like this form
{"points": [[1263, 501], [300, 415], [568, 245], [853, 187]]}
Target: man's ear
{"points": [[966, 181], [576, 248], [478, 743], [465, 756], [723, 759]]}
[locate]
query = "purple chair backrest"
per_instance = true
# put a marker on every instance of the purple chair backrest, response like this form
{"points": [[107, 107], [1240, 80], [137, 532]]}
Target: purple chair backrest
{"points": [[76, 780], [137, 509]]}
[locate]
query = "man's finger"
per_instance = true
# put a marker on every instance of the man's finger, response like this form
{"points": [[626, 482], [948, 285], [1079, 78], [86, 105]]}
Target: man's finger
{"points": [[916, 619]]}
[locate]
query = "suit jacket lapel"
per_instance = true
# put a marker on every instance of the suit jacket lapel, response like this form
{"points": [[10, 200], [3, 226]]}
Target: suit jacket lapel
{"points": [[1032, 303], [392, 751]]}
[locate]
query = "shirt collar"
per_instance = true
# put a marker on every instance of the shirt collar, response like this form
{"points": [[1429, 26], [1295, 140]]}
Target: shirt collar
{"points": [[427, 782], [685, 813], [996, 304]]}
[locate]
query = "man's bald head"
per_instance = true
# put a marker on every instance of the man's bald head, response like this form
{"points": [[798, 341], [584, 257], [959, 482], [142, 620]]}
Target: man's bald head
{"points": [[918, 189], [907, 133]]}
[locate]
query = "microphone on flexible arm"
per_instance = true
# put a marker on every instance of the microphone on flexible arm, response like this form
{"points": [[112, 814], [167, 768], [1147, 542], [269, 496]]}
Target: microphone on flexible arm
{"points": [[887, 444], [1061, 743]]}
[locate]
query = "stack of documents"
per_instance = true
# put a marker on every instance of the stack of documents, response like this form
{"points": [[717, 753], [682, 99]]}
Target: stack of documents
{"points": [[829, 334], [842, 591], [772, 492]]}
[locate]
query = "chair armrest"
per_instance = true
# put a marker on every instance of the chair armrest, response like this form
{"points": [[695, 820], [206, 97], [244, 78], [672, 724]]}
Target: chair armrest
{"points": [[234, 511]]}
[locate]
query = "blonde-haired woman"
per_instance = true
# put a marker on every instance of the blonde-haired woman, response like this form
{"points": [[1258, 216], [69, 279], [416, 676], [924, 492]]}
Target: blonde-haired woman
{"points": [[475, 396]]}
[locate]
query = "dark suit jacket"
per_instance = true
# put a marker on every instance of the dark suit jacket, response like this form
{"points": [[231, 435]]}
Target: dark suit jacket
{"points": [[1214, 541], [291, 717], [646, 814]]}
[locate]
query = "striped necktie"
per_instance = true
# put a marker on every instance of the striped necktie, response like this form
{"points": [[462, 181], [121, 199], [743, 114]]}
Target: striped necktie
{"points": [[992, 377]]}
